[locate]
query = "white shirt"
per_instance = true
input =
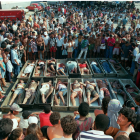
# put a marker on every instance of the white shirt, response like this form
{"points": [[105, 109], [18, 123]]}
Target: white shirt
{"points": [[59, 42], [137, 57], [1, 39], [23, 123], [61, 20], [46, 39], [81, 14], [62, 138], [14, 27]]}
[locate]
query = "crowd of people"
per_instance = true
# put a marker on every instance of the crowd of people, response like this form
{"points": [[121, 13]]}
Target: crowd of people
{"points": [[113, 122], [67, 31]]}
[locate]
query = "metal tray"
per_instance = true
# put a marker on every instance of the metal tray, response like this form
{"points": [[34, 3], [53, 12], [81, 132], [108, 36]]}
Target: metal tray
{"points": [[130, 82], [58, 62], [121, 72], [112, 95], [118, 96], [85, 75], [61, 107], [23, 68], [71, 107], [40, 71], [46, 65], [74, 75], [5, 105], [21, 99], [114, 74], [38, 101], [89, 60], [96, 104]]}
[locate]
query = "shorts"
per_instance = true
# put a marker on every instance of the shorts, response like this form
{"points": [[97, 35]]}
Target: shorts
{"points": [[53, 65], [52, 49], [104, 92], [97, 50], [44, 91], [2, 72], [35, 53], [64, 90], [123, 58], [102, 47], [77, 90], [18, 91], [91, 91], [69, 49], [40, 48], [41, 66], [91, 47], [61, 71], [116, 51], [29, 93]]}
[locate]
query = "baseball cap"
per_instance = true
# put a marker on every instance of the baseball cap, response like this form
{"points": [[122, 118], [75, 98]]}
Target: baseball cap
{"points": [[32, 119], [44, 27], [15, 107]]}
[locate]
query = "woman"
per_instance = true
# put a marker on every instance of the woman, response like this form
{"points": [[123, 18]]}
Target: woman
{"points": [[35, 130], [70, 44], [64, 48], [2, 69], [29, 50], [17, 134], [83, 68]]}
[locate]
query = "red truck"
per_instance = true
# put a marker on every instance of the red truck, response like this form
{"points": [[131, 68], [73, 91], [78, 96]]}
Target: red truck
{"points": [[33, 6], [12, 14]]}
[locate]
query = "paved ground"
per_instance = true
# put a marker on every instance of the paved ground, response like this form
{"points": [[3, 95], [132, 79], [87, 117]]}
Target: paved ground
{"points": [[62, 113]]}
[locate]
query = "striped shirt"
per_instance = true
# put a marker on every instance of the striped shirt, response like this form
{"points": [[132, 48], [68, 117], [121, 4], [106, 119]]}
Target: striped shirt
{"points": [[94, 135]]}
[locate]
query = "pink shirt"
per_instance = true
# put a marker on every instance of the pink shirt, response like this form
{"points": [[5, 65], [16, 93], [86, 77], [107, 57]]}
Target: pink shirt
{"points": [[112, 40]]}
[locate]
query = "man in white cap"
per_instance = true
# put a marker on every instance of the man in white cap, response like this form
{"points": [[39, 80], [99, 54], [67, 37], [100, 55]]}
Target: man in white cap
{"points": [[32, 119], [46, 40], [14, 110]]}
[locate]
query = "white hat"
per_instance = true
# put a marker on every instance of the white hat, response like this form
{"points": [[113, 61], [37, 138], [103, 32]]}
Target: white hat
{"points": [[102, 23], [32, 119], [45, 33], [44, 27]]}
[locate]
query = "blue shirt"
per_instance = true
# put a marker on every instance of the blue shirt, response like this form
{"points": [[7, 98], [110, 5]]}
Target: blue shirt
{"points": [[124, 21], [14, 56]]}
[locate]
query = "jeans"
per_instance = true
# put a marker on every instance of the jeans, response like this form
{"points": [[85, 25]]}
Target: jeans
{"points": [[59, 53], [109, 52], [132, 67], [96, 69], [16, 69], [75, 53], [8, 76], [106, 67], [83, 50]]}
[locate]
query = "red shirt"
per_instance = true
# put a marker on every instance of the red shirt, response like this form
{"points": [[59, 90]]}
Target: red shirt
{"points": [[112, 40], [36, 25], [83, 65], [45, 119]]}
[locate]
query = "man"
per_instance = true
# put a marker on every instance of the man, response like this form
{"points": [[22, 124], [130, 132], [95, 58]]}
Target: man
{"points": [[46, 41], [137, 69], [14, 26], [110, 44], [84, 123], [61, 20], [44, 116], [134, 136], [1, 36], [40, 45], [52, 46], [55, 131], [6, 126], [69, 126], [97, 133], [126, 118], [14, 110], [15, 60], [59, 43], [84, 47]]}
